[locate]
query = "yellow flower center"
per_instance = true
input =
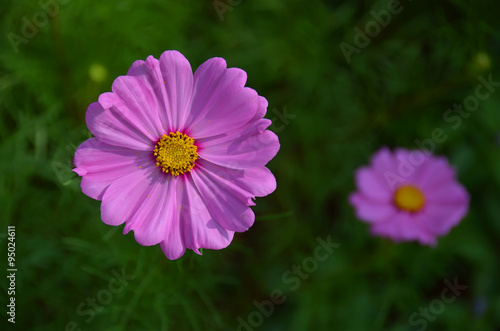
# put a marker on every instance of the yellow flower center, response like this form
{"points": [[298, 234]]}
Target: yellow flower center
{"points": [[409, 198], [175, 153]]}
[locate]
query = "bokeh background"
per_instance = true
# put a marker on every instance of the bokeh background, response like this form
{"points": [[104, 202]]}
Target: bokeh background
{"points": [[330, 115]]}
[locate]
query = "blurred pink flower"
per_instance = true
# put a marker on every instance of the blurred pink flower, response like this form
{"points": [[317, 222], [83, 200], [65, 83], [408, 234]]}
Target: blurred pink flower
{"points": [[409, 195], [178, 157]]}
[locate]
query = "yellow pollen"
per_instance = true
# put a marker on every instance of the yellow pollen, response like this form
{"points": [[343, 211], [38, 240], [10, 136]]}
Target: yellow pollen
{"points": [[175, 153], [409, 198]]}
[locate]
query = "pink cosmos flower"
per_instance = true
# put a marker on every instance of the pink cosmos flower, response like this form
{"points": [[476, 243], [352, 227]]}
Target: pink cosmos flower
{"points": [[178, 157], [409, 195]]}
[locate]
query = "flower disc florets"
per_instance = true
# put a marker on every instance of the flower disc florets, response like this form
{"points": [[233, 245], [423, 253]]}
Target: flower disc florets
{"points": [[409, 198], [176, 153]]}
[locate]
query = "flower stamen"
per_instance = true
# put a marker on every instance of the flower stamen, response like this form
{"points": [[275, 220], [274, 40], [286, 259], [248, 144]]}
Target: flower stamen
{"points": [[176, 153], [409, 198]]}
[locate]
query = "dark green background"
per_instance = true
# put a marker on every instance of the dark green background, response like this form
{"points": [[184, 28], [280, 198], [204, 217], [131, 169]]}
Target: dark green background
{"points": [[393, 92]]}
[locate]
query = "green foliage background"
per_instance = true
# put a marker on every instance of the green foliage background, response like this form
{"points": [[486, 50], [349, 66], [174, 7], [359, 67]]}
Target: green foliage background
{"points": [[393, 92]]}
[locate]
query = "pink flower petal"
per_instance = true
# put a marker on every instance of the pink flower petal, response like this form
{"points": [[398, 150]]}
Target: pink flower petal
{"points": [[402, 227], [440, 218], [386, 166], [228, 207], [250, 182], [371, 211], [170, 81], [389, 229], [178, 76], [200, 229], [101, 164], [411, 228], [231, 137], [173, 247], [372, 185], [435, 173], [256, 125], [125, 195], [243, 152], [149, 206], [450, 193], [259, 182], [152, 221], [113, 126], [150, 74], [137, 101], [407, 227], [383, 161], [220, 100], [261, 108], [405, 166]]}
